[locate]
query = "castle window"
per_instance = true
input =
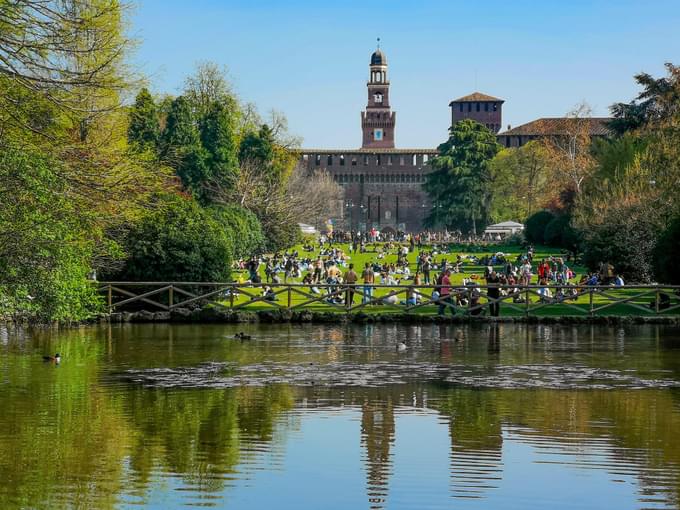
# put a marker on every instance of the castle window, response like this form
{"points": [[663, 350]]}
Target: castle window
{"points": [[377, 97], [382, 178], [361, 179], [469, 107], [330, 160], [365, 160], [461, 107], [342, 160], [378, 134], [354, 161], [486, 107], [377, 159], [414, 160], [318, 160], [401, 160], [507, 141], [425, 158], [351, 178], [495, 107], [478, 105], [305, 157], [389, 160]]}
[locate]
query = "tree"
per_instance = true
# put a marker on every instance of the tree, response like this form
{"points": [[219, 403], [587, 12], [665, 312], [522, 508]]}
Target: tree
{"points": [[143, 128], [177, 241], [569, 152], [536, 225], [659, 100], [462, 181], [521, 182], [667, 253], [219, 138]]}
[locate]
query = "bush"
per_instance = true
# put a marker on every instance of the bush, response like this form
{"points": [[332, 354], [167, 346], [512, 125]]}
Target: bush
{"points": [[535, 226], [179, 241], [242, 227], [560, 233], [625, 238], [667, 253]]}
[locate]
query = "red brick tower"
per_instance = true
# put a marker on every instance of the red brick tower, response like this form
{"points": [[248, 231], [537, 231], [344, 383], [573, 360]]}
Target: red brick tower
{"points": [[377, 122]]}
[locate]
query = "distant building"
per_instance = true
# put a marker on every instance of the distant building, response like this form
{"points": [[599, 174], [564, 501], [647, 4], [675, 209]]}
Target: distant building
{"points": [[486, 110], [551, 127], [382, 184]]}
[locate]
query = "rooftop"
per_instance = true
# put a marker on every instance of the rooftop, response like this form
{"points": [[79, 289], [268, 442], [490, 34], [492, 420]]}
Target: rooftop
{"points": [[476, 97], [368, 151], [558, 126]]}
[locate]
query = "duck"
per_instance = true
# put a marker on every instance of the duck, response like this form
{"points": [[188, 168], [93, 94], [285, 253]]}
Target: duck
{"points": [[56, 358], [242, 336], [458, 335], [401, 347]]}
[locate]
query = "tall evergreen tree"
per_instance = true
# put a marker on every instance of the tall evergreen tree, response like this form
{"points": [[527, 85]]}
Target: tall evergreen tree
{"points": [[143, 129], [461, 184], [219, 139]]}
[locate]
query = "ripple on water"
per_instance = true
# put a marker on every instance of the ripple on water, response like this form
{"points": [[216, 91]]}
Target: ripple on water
{"points": [[345, 374]]}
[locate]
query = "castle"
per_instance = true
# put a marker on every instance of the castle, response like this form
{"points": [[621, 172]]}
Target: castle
{"points": [[382, 184]]}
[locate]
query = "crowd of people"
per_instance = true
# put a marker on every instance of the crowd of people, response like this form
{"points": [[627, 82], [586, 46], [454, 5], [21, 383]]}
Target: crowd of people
{"points": [[327, 270]]}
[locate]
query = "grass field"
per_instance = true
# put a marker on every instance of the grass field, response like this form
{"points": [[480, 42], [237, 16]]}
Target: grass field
{"points": [[638, 304]]}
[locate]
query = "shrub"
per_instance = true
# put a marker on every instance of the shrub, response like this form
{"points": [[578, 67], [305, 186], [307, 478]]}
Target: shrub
{"points": [[667, 253], [178, 241], [625, 238], [535, 226], [559, 232], [242, 227]]}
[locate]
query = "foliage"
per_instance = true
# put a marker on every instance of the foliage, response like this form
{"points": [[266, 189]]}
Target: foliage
{"points": [[521, 182], [45, 244], [177, 241], [536, 224], [242, 227], [143, 128], [626, 238], [666, 255], [462, 181], [658, 101], [559, 232]]}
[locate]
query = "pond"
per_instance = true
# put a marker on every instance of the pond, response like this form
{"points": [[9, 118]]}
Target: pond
{"points": [[338, 416]]}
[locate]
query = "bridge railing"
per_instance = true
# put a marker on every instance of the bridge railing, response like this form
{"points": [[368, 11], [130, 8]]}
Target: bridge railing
{"points": [[403, 297]]}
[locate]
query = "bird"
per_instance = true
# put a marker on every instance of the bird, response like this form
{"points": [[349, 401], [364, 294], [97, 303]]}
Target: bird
{"points": [[458, 335], [401, 347], [56, 358], [242, 336]]}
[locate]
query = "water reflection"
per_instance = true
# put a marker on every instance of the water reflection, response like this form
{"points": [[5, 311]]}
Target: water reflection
{"points": [[77, 435]]}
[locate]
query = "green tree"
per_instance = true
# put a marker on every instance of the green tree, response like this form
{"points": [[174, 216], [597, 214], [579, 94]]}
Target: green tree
{"points": [[177, 241], [462, 181], [521, 182], [219, 139], [143, 128]]}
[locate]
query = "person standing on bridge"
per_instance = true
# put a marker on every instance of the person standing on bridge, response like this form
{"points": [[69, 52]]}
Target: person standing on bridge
{"points": [[350, 280], [368, 276]]}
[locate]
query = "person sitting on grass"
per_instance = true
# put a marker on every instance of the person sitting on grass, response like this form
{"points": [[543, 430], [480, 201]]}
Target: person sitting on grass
{"points": [[544, 291], [268, 293]]}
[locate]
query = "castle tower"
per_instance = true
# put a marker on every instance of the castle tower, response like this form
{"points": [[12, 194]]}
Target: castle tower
{"points": [[485, 109], [377, 122]]}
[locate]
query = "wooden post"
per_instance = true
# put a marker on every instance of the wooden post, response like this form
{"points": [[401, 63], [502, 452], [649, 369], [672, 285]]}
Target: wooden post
{"points": [[171, 297], [231, 296], [526, 302], [290, 296], [591, 301], [110, 298], [656, 301]]}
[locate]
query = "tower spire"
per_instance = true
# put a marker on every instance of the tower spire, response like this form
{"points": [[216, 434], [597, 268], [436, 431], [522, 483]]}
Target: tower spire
{"points": [[378, 42]]}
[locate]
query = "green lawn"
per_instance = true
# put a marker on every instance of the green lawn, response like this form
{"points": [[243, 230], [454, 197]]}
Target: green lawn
{"points": [[638, 305]]}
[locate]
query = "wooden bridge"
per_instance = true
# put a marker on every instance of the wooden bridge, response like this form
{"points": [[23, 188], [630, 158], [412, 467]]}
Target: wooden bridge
{"points": [[520, 300]]}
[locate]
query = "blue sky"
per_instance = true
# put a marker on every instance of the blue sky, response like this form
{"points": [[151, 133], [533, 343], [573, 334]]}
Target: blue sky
{"points": [[310, 59]]}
